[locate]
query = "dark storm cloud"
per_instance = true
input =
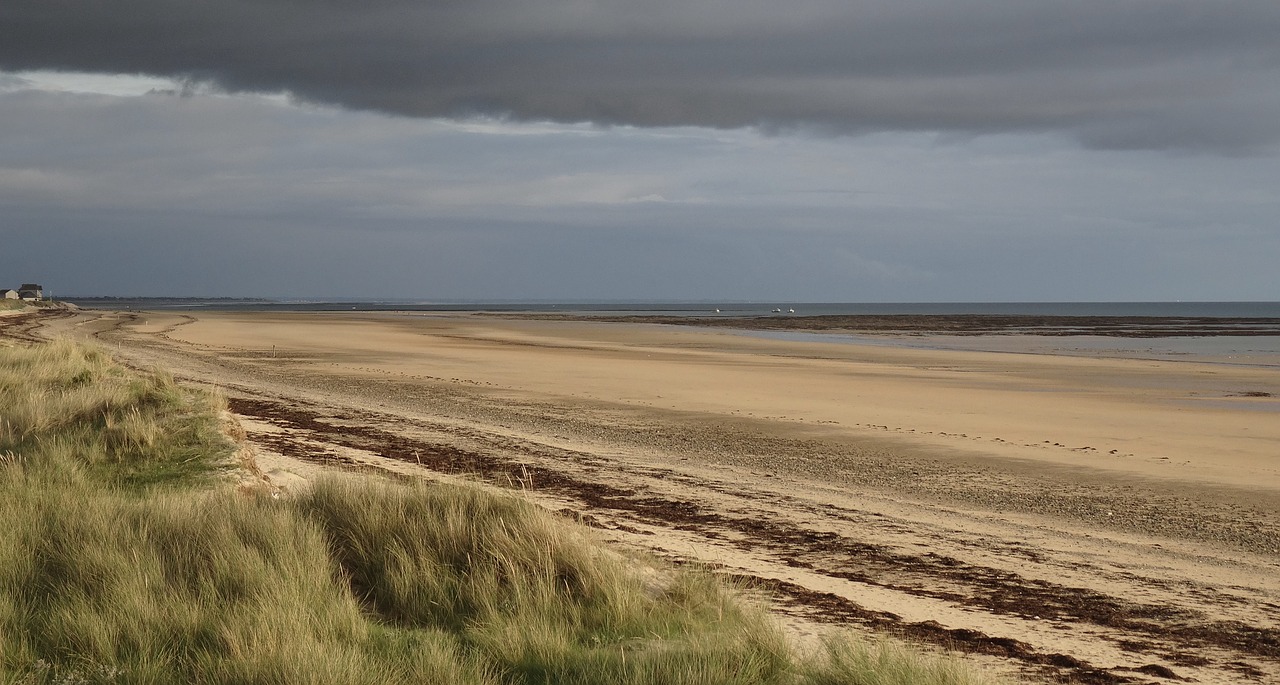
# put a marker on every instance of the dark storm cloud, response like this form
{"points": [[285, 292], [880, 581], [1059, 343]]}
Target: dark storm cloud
{"points": [[1112, 73]]}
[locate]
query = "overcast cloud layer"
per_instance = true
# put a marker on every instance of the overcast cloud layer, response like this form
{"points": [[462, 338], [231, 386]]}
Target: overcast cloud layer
{"points": [[1115, 74], [983, 150], [247, 196]]}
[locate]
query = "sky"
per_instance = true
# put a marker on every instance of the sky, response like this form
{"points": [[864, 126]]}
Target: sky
{"points": [[735, 150]]}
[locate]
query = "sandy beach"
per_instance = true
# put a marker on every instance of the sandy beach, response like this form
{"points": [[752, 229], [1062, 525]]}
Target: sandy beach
{"points": [[1059, 516]]}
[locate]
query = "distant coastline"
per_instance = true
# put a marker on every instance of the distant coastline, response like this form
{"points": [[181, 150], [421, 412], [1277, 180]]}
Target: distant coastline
{"points": [[709, 310], [195, 300]]}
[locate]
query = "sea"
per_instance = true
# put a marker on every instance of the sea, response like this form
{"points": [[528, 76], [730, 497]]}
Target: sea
{"points": [[703, 308]]}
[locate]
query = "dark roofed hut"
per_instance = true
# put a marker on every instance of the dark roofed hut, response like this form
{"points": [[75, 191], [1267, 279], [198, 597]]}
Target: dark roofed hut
{"points": [[32, 292]]}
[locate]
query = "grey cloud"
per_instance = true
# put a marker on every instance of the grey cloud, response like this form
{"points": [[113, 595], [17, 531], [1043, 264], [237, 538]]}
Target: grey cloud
{"points": [[11, 82], [1141, 74], [242, 196]]}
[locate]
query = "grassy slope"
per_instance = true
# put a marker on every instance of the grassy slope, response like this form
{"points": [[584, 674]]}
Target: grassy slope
{"points": [[122, 559]]}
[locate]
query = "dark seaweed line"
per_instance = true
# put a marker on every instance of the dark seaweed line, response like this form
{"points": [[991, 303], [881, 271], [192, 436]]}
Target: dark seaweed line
{"points": [[826, 606], [836, 609], [1084, 604], [23, 327]]}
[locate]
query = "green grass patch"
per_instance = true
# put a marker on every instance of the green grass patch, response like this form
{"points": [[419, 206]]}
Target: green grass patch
{"points": [[121, 561]]}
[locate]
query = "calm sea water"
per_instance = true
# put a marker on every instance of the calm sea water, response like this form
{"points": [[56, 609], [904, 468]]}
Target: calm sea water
{"points": [[1212, 309]]}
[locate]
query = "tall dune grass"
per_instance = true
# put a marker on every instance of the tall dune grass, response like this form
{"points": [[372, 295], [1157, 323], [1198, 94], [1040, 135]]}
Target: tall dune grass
{"points": [[120, 563], [72, 404], [532, 596]]}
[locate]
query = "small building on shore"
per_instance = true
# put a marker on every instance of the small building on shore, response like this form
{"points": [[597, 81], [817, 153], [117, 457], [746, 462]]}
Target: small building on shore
{"points": [[8, 294], [31, 292]]}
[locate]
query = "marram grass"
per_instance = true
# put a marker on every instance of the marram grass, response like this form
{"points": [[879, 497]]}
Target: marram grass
{"points": [[70, 405], [123, 561]]}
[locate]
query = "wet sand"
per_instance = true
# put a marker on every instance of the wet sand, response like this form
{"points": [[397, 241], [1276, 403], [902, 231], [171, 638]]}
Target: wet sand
{"points": [[1059, 516]]}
